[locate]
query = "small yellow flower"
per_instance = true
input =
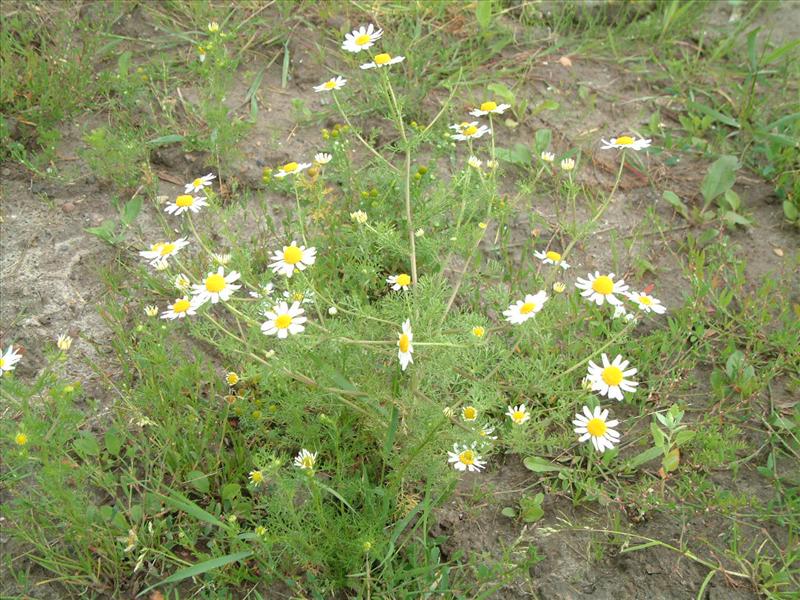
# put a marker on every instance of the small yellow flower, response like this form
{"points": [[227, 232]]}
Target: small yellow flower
{"points": [[151, 310], [213, 27], [469, 413], [20, 439], [483, 225], [359, 217], [559, 287], [478, 331], [232, 378], [260, 531], [256, 477]]}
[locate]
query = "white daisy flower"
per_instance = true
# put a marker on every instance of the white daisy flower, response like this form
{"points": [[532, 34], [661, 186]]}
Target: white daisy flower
{"points": [[292, 257], [383, 60], [490, 107], [551, 258], [213, 27], [518, 414], [404, 347], [522, 310], [306, 297], [182, 282], [9, 360], [185, 202], [611, 379], [594, 426], [180, 308], [305, 460], [469, 413], [486, 432], [362, 38], [547, 157], [471, 132], [334, 83], [459, 127], [151, 310], [474, 162], [620, 313], [322, 158], [399, 282], [601, 288], [647, 303], [161, 251], [291, 168], [216, 286], [199, 183], [264, 291], [283, 320], [625, 141], [567, 165], [465, 458]]}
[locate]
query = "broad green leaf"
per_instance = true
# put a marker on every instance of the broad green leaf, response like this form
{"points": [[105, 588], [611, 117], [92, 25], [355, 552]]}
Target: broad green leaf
{"points": [[165, 139], [646, 456], [658, 435], [113, 439], [720, 177], [531, 513], [790, 211], [198, 480], [714, 114], [105, 232], [671, 461], [229, 491], [509, 512], [542, 140], [684, 436], [483, 13], [86, 444], [131, 210], [503, 91], [200, 568], [676, 203], [540, 465], [190, 508]]}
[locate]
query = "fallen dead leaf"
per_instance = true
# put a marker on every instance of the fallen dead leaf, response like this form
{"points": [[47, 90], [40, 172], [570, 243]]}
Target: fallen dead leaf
{"points": [[778, 251], [564, 61]]}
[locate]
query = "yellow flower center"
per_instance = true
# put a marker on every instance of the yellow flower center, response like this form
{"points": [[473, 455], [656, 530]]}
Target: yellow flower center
{"points": [[527, 307], [624, 140], [603, 285], [292, 255], [21, 439], [308, 462], [382, 59], [488, 106], [404, 343], [478, 331], [554, 256], [215, 283], [612, 375], [596, 427], [184, 200], [329, 85], [470, 413], [232, 378], [197, 182], [298, 296], [467, 457], [163, 248], [646, 300], [290, 167], [2, 362], [256, 477], [518, 416], [181, 306], [403, 279], [471, 130], [362, 39], [283, 321]]}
